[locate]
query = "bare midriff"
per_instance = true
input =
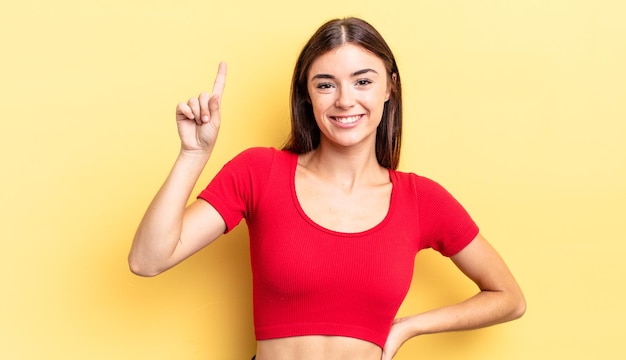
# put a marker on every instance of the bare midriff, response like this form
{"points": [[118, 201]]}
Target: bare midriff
{"points": [[317, 347]]}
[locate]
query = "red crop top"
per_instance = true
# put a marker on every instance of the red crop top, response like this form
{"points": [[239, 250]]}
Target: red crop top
{"points": [[308, 280]]}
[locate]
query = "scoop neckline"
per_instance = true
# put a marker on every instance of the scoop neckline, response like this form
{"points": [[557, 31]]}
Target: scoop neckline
{"points": [[305, 216]]}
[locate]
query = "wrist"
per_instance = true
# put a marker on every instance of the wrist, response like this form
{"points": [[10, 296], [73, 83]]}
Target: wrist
{"points": [[191, 162], [195, 154], [411, 326]]}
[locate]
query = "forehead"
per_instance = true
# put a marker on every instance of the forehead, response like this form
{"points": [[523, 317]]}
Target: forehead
{"points": [[346, 58]]}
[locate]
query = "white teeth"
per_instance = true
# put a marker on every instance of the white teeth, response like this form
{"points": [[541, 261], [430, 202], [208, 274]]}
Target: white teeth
{"points": [[348, 120]]}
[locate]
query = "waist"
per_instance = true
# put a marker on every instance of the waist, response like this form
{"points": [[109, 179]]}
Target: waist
{"points": [[313, 347]]}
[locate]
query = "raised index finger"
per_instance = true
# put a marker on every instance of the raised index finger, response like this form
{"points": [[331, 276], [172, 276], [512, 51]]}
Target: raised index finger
{"points": [[220, 80]]}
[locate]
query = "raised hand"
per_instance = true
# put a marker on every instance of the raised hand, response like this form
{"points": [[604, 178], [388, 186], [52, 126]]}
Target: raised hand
{"points": [[198, 120]]}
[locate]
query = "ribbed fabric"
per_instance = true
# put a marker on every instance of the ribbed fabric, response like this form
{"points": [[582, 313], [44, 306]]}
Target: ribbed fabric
{"points": [[308, 280]]}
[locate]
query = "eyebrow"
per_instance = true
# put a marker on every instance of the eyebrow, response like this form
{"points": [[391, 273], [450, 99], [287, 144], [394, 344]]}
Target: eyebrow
{"points": [[356, 73]]}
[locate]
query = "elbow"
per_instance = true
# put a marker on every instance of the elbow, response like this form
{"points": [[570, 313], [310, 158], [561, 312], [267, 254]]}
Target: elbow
{"points": [[138, 268], [142, 272], [518, 307]]}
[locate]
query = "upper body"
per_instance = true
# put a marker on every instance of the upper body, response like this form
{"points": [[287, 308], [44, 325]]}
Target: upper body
{"points": [[346, 121], [314, 279]]}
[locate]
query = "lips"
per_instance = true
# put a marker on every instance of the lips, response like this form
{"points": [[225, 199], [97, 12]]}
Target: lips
{"points": [[346, 119]]}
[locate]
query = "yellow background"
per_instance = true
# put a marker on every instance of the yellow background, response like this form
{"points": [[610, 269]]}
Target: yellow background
{"points": [[517, 107]]}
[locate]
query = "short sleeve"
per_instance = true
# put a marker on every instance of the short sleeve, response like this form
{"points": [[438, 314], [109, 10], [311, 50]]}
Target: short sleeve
{"points": [[237, 187], [446, 225]]}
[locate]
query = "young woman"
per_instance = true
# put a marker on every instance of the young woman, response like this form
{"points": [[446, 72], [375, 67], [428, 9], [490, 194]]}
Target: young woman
{"points": [[334, 227]]}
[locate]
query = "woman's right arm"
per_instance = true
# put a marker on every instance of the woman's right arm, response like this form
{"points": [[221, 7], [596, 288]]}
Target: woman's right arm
{"points": [[171, 231]]}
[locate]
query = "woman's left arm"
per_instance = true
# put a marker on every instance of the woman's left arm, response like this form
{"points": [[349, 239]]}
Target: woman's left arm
{"points": [[500, 299]]}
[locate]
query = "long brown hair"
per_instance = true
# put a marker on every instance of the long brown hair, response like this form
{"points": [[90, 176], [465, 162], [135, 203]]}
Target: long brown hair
{"points": [[305, 134]]}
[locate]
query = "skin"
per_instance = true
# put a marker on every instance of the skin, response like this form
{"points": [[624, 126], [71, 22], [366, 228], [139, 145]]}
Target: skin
{"points": [[348, 88], [340, 186]]}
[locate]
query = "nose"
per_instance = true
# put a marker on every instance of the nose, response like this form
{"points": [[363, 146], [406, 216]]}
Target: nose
{"points": [[345, 98]]}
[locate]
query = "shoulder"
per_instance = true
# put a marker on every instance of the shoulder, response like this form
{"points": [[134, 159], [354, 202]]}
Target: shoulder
{"points": [[445, 224], [425, 190], [420, 184], [258, 163], [255, 153], [260, 156]]}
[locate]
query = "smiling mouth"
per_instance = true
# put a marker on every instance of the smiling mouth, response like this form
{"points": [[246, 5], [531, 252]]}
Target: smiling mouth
{"points": [[346, 119]]}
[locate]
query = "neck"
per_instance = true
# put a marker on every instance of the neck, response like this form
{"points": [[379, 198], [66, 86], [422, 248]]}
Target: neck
{"points": [[345, 166]]}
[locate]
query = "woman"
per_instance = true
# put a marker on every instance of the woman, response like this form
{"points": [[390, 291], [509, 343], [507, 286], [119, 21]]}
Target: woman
{"points": [[334, 228]]}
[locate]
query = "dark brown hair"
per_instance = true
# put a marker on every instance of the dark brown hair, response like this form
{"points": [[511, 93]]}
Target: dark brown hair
{"points": [[305, 134]]}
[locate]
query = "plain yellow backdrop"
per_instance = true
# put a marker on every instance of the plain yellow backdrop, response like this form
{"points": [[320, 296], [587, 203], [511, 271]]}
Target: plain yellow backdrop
{"points": [[518, 107]]}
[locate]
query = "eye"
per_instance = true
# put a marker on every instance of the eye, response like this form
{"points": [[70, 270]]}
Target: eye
{"points": [[363, 82], [324, 86]]}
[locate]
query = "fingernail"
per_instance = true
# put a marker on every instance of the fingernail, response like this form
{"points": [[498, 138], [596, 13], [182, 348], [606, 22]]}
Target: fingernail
{"points": [[205, 118]]}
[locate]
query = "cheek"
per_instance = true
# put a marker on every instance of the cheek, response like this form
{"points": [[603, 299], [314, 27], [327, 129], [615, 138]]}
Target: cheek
{"points": [[318, 110], [315, 105], [376, 101], [320, 103]]}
